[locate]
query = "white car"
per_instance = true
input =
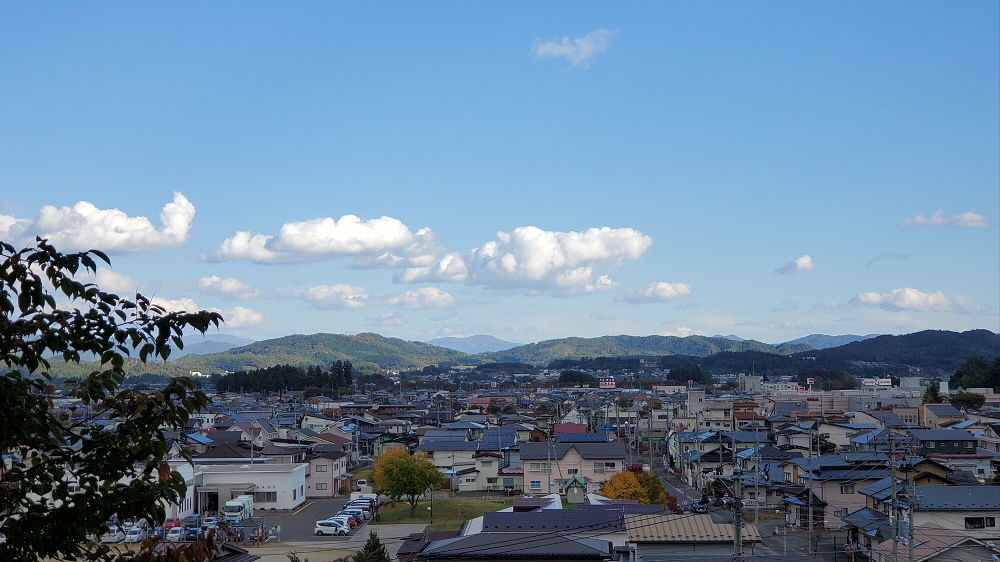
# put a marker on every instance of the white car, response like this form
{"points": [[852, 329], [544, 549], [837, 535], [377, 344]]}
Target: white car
{"points": [[135, 534], [330, 527], [114, 535], [175, 534], [364, 514], [647, 468]]}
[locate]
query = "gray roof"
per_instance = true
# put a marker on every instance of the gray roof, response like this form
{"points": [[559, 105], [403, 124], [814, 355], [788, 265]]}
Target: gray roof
{"points": [[448, 445], [583, 522], [942, 435], [518, 545], [542, 451], [966, 498], [943, 409]]}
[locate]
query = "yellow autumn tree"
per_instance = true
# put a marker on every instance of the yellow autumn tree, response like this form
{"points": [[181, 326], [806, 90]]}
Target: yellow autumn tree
{"points": [[622, 486], [400, 475], [652, 488]]}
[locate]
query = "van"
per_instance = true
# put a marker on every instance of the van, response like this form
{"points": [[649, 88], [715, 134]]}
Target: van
{"points": [[361, 482]]}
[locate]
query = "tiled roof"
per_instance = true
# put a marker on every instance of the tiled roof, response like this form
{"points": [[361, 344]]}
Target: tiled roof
{"points": [[684, 529], [942, 435], [966, 498], [583, 438], [540, 451]]}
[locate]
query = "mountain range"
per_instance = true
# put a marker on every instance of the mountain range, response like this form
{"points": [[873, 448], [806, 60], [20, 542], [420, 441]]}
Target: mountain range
{"points": [[941, 350], [823, 341], [473, 344]]}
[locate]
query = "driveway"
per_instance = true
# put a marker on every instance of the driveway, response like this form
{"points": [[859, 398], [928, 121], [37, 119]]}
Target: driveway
{"points": [[298, 525]]}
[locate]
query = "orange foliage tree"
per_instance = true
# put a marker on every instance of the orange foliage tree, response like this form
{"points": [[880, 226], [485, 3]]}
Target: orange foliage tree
{"points": [[622, 486]]}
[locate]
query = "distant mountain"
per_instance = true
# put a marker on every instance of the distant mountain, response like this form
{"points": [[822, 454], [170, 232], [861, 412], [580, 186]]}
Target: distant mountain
{"points": [[733, 337], [542, 353], [940, 350], [823, 341], [226, 338], [473, 344], [202, 348]]}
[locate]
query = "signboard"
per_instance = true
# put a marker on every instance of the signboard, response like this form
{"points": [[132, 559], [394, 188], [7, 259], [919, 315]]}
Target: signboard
{"points": [[608, 383], [810, 381], [802, 389], [876, 382], [607, 427]]}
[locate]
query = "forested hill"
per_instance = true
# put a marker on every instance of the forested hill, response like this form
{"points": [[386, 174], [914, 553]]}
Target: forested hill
{"points": [[929, 349], [626, 346]]}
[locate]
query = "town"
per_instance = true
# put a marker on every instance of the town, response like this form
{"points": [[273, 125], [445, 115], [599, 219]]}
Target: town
{"points": [[749, 468]]}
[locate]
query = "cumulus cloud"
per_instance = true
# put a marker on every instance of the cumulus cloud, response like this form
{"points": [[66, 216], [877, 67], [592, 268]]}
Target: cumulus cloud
{"points": [[228, 287], [801, 263], [962, 220], [390, 319], [563, 262], [381, 242], [658, 291], [905, 298], [115, 282], [236, 317], [341, 296], [427, 297], [450, 267], [682, 332], [85, 226], [577, 50]]}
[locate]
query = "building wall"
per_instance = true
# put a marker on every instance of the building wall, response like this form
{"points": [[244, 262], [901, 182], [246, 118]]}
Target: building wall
{"points": [[325, 477], [571, 465], [286, 481], [955, 520]]}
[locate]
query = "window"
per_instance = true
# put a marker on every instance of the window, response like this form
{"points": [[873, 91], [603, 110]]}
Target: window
{"points": [[321, 486], [847, 488], [508, 481], [840, 512], [573, 471], [487, 464], [472, 480], [321, 467], [546, 467], [302, 489], [980, 522], [598, 467], [491, 480], [294, 492], [967, 444], [609, 465], [930, 444], [536, 483], [535, 466], [265, 497]]}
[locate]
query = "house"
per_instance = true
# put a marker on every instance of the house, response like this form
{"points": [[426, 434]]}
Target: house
{"points": [[657, 537], [327, 475], [944, 441], [937, 416], [934, 543], [989, 439], [973, 510], [484, 475], [516, 547], [548, 465]]}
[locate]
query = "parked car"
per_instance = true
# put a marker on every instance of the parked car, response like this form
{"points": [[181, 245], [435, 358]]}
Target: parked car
{"points": [[193, 534], [135, 534], [330, 527], [699, 506], [172, 522], [113, 535], [192, 520], [362, 514], [209, 521], [355, 516], [345, 519], [366, 506], [647, 468], [360, 482], [175, 534]]}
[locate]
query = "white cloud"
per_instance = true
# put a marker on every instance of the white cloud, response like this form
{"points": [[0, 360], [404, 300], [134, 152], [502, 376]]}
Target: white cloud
{"points": [[229, 287], [427, 297], [336, 296], [390, 319], [381, 242], [801, 263], [84, 226], [962, 220], [682, 332], [563, 262], [236, 317], [450, 267], [904, 299], [578, 51], [240, 316], [115, 282], [658, 291]]}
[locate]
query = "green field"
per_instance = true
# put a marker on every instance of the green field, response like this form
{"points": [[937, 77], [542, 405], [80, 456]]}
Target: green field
{"points": [[447, 515]]}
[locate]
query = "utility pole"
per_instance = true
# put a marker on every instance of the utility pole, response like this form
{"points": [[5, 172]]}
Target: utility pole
{"points": [[738, 518], [895, 504], [650, 433], [809, 491], [911, 498]]}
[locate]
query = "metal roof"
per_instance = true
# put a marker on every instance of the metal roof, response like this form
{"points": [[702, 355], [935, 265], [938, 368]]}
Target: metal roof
{"points": [[518, 545], [966, 498], [684, 529]]}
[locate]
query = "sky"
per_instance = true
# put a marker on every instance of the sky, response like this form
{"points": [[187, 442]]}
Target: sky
{"points": [[526, 170]]}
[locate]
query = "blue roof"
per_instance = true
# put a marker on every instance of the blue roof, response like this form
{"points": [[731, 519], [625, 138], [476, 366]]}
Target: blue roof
{"points": [[199, 438], [583, 438]]}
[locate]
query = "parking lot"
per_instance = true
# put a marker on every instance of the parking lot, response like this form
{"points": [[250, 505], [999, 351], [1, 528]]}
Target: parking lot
{"points": [[298, 526]]}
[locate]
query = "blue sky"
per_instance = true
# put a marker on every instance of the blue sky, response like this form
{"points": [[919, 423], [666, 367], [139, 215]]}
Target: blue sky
{"points": [[529, 171]]}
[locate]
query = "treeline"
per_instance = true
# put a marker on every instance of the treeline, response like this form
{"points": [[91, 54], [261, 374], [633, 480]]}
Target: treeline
{"points": [[313, 380], [977, 372]]}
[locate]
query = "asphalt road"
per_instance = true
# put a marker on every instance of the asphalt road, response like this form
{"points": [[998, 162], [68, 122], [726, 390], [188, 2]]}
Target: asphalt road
{"points": [[298, 526]]}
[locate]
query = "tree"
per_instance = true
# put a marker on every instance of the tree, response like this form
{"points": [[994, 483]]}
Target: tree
{"points": [[977, 372], [968, 400], [400, 475], [624, 402], [373, 551], [653, 491], [622, 486], [931, 395], [823, 445], [119, 472], [576, 378]]}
